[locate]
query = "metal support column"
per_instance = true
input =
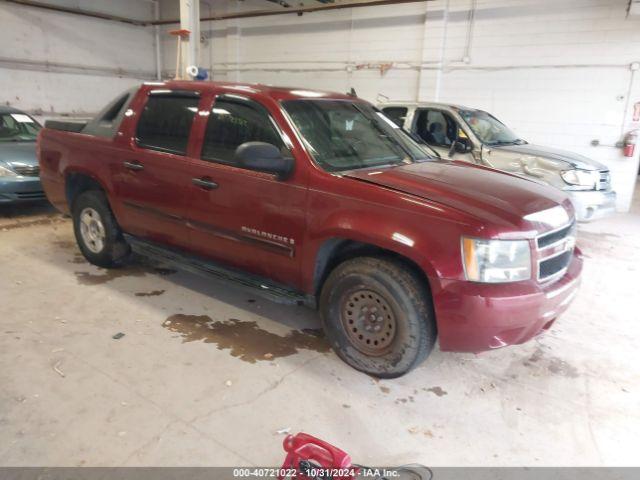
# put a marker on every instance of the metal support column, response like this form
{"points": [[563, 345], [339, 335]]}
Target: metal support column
{"points": [[190, 20]]}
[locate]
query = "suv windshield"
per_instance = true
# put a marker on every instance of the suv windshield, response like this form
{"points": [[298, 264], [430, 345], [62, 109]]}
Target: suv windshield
{"points": [[488, 129], [18, 127], [343, 135]]}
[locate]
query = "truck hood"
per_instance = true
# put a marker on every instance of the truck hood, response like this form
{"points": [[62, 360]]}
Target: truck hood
{"points": [[572, 160], [490, 195], [23, 153]]}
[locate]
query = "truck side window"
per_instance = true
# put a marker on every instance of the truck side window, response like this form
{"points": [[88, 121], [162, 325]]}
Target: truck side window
{"points": [[114, 109], [436, 127], [232, 123], [396, 114], [165, 123]]}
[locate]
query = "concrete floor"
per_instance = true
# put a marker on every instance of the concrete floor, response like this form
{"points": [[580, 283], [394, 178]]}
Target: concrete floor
{"points": [[172, 392]]}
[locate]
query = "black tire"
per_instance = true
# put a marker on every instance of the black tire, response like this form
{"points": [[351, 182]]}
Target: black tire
{"points": [[115, 249], [406, 334]]}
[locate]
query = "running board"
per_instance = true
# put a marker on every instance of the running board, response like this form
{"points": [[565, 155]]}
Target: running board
{"points": [[268, 289]]}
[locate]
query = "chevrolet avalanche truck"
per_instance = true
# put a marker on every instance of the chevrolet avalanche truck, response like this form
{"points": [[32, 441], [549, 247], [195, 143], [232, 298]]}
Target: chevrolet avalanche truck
{"points": [[318, 198], [476, 136]]}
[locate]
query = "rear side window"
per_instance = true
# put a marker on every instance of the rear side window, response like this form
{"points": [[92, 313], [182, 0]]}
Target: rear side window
{"points": [[234, 122], [112, 112], [165, 123], [108, 120], [396, 114]]}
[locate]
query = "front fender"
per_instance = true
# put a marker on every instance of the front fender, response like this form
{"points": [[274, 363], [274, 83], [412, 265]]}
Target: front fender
{"points": [[392, 233]]}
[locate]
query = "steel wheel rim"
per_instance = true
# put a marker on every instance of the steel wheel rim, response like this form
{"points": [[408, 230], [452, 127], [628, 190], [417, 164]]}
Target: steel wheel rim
{"points": [[92, 230], [369, 321]]}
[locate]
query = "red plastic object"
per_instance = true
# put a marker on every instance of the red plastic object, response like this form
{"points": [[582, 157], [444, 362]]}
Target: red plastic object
{"points": [[181, 33], [304, 450], [630, 141]]}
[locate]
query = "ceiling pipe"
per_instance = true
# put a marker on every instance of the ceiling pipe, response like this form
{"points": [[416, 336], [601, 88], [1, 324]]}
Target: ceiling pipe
{"points": [[289, 11], [77, 11]]}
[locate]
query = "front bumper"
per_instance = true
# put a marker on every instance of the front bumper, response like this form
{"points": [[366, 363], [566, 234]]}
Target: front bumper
{"points": [[20, 189], [593, 204], [474, 317]]}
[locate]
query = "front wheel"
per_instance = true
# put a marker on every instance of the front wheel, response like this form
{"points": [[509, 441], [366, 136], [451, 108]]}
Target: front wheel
{"points": [[378, 316]]}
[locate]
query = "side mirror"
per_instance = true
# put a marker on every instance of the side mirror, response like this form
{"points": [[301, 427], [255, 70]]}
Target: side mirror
{"points": [[462, 145], [263, 157]]}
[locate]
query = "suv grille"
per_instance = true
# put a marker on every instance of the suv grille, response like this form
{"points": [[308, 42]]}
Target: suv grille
{"points": [[604, 182], [26, 170], [554, 265], [548, 239], [555, 250]]}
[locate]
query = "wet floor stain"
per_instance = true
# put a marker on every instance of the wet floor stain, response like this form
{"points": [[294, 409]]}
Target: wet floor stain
{"points": [[78, 259], [437, 391], [554, 365], [33, 223], [107, 275], [410, 398], [562, 368], [65, 244], [245, 339], [152, 293]]}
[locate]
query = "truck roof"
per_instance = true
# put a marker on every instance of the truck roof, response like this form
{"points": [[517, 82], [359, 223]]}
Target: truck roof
{"points": [[424, 104], [277, 93]]}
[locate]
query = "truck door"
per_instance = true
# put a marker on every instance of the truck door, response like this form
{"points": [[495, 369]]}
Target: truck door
{"points": [[150, 178], [440, 130], [247, 219]]}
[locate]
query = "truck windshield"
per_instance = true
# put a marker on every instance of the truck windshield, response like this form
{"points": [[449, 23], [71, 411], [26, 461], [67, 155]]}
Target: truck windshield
{"points": [[18, 127], [489, 129], [343, 135]]}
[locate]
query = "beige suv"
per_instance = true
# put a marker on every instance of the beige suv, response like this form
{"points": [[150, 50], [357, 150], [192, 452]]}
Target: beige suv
{"points": [[461, 133]]}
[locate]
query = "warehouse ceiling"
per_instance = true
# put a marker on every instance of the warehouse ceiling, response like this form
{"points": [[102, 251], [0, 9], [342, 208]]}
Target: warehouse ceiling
{"points": [[271, 7]]}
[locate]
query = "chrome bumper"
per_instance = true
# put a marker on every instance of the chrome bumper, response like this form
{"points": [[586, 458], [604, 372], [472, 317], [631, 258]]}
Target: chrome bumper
{"points": [[593, 204]]}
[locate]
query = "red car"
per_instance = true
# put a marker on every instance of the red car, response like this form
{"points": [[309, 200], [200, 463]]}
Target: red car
{"points": [[318, 198]]}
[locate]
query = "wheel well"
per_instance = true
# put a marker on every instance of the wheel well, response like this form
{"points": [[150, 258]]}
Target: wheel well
{"points": [[337, 250], [77, 183]]}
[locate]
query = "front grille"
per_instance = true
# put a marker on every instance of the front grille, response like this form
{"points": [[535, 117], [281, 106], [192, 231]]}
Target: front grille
{"points": [[26, 170], [554, 265], [554, 237], [554, 252], [604, 181], [31, 196]]}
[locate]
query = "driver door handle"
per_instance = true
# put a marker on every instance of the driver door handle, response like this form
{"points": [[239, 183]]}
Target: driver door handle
{"points": [[135, 166], [204, 183]]}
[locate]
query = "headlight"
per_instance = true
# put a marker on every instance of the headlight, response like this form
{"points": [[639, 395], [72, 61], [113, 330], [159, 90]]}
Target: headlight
{"points": [[581, 178], [496, 261], [5, 172]]}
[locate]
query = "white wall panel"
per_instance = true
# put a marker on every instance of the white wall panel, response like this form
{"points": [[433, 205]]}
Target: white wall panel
{"points": [[557, 72], [89, 60]]}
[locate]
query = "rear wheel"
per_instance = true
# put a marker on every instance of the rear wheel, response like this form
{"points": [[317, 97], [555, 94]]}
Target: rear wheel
{"points": [[97, 232], [378, 316]]}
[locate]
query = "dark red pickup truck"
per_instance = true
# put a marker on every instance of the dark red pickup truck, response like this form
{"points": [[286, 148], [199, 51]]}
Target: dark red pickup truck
{"points": [[318, 198]]}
